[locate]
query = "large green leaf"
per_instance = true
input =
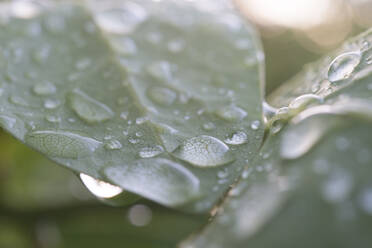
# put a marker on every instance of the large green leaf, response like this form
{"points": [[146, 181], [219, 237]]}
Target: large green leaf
{"points": [[311, 184], [157, 130]]}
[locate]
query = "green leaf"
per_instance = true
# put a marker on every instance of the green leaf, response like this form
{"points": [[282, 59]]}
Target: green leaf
{"points": [[150, 108], [311, 183]]}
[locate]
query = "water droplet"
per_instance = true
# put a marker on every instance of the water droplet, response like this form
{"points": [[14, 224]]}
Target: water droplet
{"points": [[204, 151], [124, 115], [152, 177], [83, 64], [231, 113], [140, 215], [161, 70], [44, 88], [150, 151], [237, 138], [161, 95], [53, 119], [209, 126], [18, 101], [276, 126], [141, 120], [343, 66], [100, 188], [62, 143], [51, 104], [255, 124], [113, 145], [223, 173], [176, 46], [89, 109], [300, 102], [122, 20], [268, 111]]}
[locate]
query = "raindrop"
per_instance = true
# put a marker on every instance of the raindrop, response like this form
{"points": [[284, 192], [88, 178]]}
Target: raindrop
{"points": [[209, 126], [53, 119], [255, 124], [238, 138], [62, 143], [150, 151], [204, 151], [343, 66], [231, 113], [268, 111], [122, 20], [100, 188], [161, 70], [161, 95], [89, 109], [45, 88], [51, 104], [113, 145]]}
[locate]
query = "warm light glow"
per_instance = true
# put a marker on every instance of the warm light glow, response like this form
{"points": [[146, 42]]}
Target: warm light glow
{"points": [[99, 188], [290, 13]]}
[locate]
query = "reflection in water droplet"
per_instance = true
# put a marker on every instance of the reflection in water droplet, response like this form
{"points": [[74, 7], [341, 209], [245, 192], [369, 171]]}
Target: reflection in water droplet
{"points": [[113, 145], [237, 138], [161, 95], [140, 215], [122, 20], [150, 151], [100, 188], [204, 151], [231, 113], [62, 143], [89, 109], [343, 66]]}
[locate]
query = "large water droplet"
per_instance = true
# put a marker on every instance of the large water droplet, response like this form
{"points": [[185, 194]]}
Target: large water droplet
{"points": [[150, 151], [204, 151], [62, 143], [100, 188], [343, 66], [44, 88], [122, 20], [89, 109], [159, 179], [237, 138], [231, 113], [163, 96]]}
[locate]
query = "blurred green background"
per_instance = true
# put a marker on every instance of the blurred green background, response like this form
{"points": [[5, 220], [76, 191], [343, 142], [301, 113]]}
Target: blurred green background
{"points": [[43, 205]]}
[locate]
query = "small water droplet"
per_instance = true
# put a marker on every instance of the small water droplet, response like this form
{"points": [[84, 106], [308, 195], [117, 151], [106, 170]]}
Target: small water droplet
{"points": [[209, 126], [51, 104], [18, 101], [44, 88], [141, 120], [268, 111], [343, 66], [276, 126], [231, 113], [204, 151], [223, 173], [113, 145], [62, 143], [161, 70], [122, 20], [53, 119], [365, 200], [237, 138], [337, 187], [150, 151], [89, 109], [255, 124], [100, 188], [161, 95]]}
